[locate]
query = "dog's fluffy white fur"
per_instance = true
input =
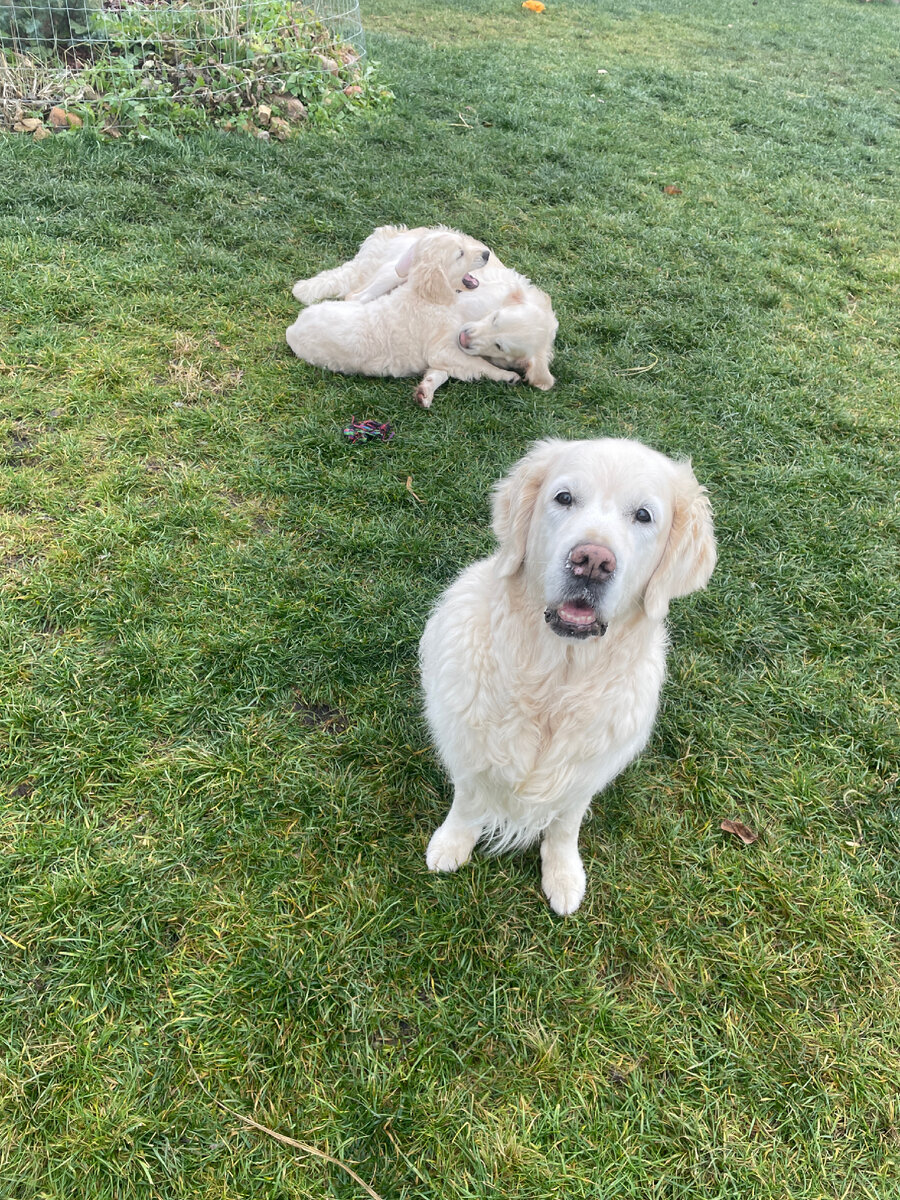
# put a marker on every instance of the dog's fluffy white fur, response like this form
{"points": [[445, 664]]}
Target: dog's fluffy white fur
{"points": [[507, 320], [380, 264], [542, 665], [410, 329]]}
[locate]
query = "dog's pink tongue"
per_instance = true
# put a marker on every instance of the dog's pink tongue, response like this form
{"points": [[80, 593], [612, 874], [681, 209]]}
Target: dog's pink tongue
{"points": [[470, 282], [577, 614]]}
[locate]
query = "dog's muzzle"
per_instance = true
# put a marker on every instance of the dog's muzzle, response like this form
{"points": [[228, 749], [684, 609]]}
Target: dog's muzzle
{"points": [[590, 567], [575, 619], [468, 280]]}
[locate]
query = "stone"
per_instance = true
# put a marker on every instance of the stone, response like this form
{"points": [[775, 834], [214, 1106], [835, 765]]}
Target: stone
{"points": [[294, 109], [59, 118]]}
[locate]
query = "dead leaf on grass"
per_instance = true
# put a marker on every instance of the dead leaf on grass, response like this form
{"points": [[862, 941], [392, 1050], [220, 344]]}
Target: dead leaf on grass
{"points": [[671, 190], [739, 829]]}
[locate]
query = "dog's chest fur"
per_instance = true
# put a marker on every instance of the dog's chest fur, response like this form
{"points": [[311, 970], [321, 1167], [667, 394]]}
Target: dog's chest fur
{"points": [[541, 721]]}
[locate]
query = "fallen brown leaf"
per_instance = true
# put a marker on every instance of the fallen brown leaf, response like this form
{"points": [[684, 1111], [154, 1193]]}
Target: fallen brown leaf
{"points": [[739, 829], [410, 490], [671, 190]]}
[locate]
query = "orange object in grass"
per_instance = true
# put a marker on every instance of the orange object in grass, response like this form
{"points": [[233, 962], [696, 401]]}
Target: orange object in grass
{"points": [[535, 5]]}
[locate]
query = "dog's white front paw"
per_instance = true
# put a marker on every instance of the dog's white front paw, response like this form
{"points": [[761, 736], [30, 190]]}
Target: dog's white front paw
{"points": [[449, 848], [564, 882]]}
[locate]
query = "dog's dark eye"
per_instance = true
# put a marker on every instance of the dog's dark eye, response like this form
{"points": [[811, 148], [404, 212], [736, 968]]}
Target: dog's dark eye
{"points": [[497, 344], [643, 516], [564, 498]]}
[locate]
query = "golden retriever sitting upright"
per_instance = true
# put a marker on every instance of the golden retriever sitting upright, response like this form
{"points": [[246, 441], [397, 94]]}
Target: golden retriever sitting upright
{"points": [[407, 330], [542, 665]]}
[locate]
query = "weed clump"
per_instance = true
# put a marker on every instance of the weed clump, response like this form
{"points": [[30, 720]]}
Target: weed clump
{"points": [[266, 67]]}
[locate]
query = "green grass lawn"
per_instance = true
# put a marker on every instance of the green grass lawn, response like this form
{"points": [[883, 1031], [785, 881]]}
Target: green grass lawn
{"points": [[217, 786]]}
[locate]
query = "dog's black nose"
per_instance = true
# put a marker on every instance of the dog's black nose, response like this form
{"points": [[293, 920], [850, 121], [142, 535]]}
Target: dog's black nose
{"points": [[592, 562]]}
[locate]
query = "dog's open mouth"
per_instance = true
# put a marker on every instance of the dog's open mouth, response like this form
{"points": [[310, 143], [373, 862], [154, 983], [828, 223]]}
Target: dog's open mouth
{"points": [[470, 282], [575, 619]]}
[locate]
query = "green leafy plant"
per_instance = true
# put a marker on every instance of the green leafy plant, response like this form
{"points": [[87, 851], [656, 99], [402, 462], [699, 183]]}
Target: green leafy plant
{"points": [[46, 23], [184, 67]]}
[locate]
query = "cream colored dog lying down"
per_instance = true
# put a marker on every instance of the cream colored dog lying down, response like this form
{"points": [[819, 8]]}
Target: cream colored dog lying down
{"points": [[407, 331], [381, 263], [507, 320], [542, 665]]}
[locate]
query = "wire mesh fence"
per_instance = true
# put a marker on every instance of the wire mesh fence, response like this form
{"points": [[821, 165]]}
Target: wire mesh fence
{"points": [[223, 61]]}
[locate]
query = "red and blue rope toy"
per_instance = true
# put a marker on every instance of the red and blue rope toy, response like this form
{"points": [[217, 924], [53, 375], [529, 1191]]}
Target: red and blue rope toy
{"points": [[367, 431]]}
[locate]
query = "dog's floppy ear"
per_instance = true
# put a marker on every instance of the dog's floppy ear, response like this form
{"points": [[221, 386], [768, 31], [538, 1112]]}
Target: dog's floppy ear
{"points": [[405, 263], [537, 372], [428, 275], [690, 553], [513, 504]]}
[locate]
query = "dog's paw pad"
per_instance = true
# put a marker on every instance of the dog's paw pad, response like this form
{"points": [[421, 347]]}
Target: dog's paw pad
{"points": [[449, 849]]}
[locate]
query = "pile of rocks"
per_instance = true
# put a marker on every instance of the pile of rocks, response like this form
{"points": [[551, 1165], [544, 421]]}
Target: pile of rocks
{"points": [[16, 119]]}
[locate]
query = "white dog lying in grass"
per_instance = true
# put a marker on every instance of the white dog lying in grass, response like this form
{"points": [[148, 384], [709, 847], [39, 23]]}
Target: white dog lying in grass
{"points": [[409, 330], [507, 320], [542, 665]]}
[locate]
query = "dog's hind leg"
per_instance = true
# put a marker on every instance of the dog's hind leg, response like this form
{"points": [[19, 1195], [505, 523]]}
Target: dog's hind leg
{"points": [[387, 248], [385, 281], [391, 275], [327, 285]]}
